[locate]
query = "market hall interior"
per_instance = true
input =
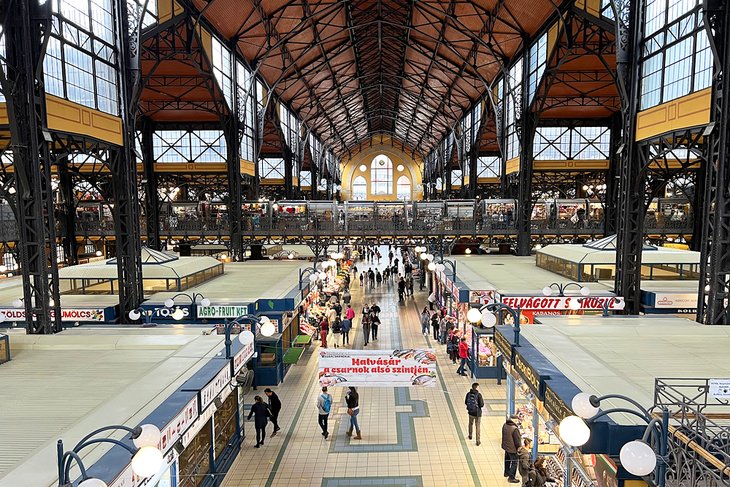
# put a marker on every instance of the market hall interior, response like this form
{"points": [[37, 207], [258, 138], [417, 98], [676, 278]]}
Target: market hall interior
{"points": [[187, 186]]}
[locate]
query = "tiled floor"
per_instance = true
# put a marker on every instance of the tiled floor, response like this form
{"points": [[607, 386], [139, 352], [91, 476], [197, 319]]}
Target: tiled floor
{"points": [[411, 437]]}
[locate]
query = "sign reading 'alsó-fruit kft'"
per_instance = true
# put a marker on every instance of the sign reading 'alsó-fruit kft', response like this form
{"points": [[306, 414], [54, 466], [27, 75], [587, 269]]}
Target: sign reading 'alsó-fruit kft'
{"points": [[222, 311]]}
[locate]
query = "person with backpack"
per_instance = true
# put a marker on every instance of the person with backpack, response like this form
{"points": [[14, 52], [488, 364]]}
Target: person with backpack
{"points": [[524, 461], [463, 355], [324, 406], [378, 278], [474, 403]]}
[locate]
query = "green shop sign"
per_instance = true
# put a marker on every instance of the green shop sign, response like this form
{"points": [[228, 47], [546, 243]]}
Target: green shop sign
{"points": [[221, 311]]}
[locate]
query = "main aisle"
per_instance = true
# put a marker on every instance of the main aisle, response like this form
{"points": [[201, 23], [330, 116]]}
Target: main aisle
{"points": [[411, 437]]}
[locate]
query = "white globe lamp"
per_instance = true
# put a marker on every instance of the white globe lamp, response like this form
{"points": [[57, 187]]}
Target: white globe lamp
{"points": [[574, 304], [488, 319], [431, 266], [638, 458], [245, 337], [323, 275], [169, 303], [474, 315], [147, 461], [267, 328], [178, 314], [150, 436], [574, 431], [467, 251], [264, 319], [134, 315], [98, 253], [440, 267], [17, 303], [313, 277], [547, 290], [585, 291], [205, 302], [582, 406], [93, 483], [424, 256]]}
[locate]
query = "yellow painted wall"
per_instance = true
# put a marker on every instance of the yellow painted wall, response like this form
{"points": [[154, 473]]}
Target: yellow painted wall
{"points": [[593, 7], [247, 167], [413, 169], [559, 165], [512, 166], [688, 111], [3, 114], [166, 9], [67, 116]]}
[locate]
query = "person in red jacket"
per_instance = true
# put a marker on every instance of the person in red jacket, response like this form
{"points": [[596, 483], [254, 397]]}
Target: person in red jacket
{"points": [[463, 355], [324, 330]]}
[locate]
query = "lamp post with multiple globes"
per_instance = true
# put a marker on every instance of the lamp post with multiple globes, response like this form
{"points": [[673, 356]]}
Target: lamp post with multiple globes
{"points": [[574, 304], [266, 327], [147, 459], [638, 457], [169, 303]]}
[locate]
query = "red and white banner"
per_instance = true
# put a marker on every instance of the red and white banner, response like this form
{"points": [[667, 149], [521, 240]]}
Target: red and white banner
{"points": [[377, 368], [67, 314], [562, 303]]}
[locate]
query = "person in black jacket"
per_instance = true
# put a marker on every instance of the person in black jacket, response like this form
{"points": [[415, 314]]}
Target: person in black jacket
{"points": [[274, 408], [261, 414]]}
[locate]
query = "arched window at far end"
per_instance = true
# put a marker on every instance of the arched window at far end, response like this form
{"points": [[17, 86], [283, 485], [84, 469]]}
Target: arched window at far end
{"points": [[359, 188], [403, 187], [381, 175]]}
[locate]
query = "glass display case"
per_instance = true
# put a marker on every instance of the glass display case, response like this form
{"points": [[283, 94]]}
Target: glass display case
{"points": [[483, 353]]}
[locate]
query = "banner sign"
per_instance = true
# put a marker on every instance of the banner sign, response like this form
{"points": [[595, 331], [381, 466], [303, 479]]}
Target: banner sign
{"points": [[67, 314], [214, 387], [529, 375], [233, 311], [562, 303], [503, 345], [377, 368], [675, 300], [243, 356], [555, 406]]}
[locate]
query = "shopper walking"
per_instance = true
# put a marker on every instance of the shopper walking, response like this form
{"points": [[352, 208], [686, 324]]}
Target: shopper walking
{"points": [[511, 442], [324, 330], [349, 312], [324, 405], [274, 408], [425, 320], [374, 308], [346, 296], [524, 461], [474, 403], [366, 328], [463, 355], [346, 327], [371, 277], [362, 278], [374, 324], [435, 325], [401, 289], [260, 412], [352, 399]]}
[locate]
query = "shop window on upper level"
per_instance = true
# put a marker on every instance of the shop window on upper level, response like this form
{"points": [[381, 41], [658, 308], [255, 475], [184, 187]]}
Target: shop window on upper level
{"points": [[381, 175]]}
